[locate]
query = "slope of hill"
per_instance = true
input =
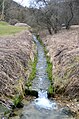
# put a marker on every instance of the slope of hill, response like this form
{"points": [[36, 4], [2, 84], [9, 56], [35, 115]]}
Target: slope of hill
{"points": [[13, 11]]}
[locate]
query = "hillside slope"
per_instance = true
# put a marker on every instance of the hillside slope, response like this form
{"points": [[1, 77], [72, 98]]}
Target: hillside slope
{"points": [[13, 12], [64, 52]]}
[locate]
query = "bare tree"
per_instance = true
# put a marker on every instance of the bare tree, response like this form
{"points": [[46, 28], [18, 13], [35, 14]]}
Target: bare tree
{"points": [[2, 14], [46, 14], [67, 13], [70, 17]]}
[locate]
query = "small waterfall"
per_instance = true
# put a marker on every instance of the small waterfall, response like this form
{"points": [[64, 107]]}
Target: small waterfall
{"points": [[42, 94], [43, 102]]}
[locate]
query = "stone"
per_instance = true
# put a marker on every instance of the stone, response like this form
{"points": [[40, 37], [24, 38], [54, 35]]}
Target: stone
{"points": [[22, 25], [31, 93]]}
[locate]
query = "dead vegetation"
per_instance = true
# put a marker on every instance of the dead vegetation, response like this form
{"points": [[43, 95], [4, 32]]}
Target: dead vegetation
{"points": [[64, 51], [15, 53]]}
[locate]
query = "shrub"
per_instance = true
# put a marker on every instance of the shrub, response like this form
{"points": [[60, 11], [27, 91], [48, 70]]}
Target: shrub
{"points": [[18, 101], [13, 21]]}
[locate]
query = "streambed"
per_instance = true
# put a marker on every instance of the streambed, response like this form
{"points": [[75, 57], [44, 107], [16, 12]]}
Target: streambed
{"points": [[42, 107]]}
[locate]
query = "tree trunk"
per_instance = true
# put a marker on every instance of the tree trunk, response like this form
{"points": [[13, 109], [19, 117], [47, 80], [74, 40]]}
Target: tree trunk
{"points": [[49, 30], [67, 26], [71, 10], [55, 30], [2, 14]]}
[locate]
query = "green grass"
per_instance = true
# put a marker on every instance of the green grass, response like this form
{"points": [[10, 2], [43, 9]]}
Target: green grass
{"points": [[49, 69], [50, 89], [33, 72], [17, 100], [6, 29], [49, 72], [3, 23]]}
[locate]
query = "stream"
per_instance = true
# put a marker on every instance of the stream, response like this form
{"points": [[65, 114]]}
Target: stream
{"points": [[42, 107]]}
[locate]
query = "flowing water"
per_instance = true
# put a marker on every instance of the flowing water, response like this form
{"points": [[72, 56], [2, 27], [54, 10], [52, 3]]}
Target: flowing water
{"points": [[41, 81], [42, 107], [2, 110]]}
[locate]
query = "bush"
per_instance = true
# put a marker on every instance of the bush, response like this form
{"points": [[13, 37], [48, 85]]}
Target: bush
{"points": [[18, 101], [13, 21]]}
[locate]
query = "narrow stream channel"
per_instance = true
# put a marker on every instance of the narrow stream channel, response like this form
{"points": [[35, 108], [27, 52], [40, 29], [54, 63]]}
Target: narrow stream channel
{"points": [[42, 107], [41, 82]]}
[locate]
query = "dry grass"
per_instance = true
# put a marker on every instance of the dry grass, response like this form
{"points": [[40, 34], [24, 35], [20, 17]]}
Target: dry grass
{"points": [[63, 49]]}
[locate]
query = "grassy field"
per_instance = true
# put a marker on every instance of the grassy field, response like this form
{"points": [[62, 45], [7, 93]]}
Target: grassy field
{"points": [[6, 29]]}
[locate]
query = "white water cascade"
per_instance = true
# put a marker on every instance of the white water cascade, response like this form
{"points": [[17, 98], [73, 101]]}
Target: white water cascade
{"points": [[43, 102]]}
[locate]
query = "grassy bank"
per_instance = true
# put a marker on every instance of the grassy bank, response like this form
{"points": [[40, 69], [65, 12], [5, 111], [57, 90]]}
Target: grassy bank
{"points": [[17, 100], [33, 71], [6, 29], [49, 67]]}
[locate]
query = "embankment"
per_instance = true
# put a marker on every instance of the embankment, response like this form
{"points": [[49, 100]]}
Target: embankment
{"points": [[15, 54], [63, 48]]}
